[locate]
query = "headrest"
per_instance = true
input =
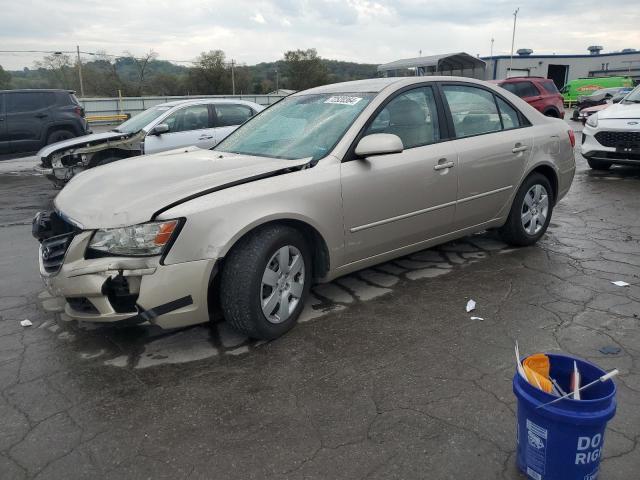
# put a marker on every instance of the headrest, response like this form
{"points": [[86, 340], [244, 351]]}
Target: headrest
{"points": [[405, 112]]}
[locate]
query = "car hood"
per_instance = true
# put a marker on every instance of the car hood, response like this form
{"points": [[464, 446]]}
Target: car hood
{"points": [[82, 140], [132, 190], [621, 111]]}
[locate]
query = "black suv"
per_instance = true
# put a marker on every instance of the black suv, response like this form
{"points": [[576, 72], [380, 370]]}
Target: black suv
{"points": [[30, 119]]}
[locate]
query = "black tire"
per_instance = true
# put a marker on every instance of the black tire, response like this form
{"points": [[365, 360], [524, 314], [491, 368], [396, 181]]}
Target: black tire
{"points": [[551, 113], [241, 281], [598, 164], [513, 231], [59, 136]]}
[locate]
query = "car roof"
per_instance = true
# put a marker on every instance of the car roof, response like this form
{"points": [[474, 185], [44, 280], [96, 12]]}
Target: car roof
{"points": [[196, 101], [376, 85], [520, 79]]}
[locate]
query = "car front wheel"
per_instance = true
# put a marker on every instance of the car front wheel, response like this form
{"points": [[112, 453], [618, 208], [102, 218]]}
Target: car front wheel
{"points": [[265, 281], [530, 212]]}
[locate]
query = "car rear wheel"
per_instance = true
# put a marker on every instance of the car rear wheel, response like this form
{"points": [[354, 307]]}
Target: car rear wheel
{"points": [[59, 136], [598, 164], [265, 281], [530, 212], [552, 113]]}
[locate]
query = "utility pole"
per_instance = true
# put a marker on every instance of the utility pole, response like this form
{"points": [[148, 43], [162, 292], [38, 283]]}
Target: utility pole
{"points": [[277, 87], [513, 39], [492, 40], [233, 78], [80, 72]]}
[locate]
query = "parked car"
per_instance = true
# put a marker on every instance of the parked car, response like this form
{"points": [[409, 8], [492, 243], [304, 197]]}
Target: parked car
{"points": [[587, 112], [585, 86], [30, 119], [539, 92], [612, 136], [325, 182], [598, 98], [183, 123]]}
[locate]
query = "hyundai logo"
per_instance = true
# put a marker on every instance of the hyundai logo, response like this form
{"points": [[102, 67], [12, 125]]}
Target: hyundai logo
{"points": [[632, 123]]}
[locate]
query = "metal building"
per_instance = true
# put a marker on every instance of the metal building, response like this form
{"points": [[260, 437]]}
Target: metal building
{"points": [[562, 68], [460, 64]]}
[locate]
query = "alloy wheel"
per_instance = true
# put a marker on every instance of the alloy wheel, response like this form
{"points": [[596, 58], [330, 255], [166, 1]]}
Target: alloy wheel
{"points": [[282, 284], [535, 209]]}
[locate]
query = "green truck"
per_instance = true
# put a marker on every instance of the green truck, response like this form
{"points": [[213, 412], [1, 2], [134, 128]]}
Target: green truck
{"points": [[586, 86]]}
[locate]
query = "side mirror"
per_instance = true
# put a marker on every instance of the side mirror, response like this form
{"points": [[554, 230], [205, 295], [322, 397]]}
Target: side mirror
{"points": [[159, 129], [379, 144]]}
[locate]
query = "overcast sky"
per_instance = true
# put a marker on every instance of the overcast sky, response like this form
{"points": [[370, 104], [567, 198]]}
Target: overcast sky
{"points": [[375, 31]]}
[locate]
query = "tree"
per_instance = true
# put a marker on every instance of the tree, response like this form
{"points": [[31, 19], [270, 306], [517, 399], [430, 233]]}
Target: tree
{"points": [[305, 69], [141, 65], [5, 79], [59, 69], [209, 74]]}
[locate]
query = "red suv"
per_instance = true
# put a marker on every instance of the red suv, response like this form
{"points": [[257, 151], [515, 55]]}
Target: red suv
{"points": [[539, 92]]}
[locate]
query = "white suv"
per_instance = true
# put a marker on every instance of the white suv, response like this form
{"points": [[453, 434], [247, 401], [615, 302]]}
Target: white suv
{"points": [[613, 135]]}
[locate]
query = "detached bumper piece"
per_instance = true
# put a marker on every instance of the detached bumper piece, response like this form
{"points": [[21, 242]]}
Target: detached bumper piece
{"points": [[151, 314]]}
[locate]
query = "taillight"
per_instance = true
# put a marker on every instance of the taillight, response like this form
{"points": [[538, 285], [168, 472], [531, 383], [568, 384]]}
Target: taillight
{"points": [[572, 138], [78, 111]]}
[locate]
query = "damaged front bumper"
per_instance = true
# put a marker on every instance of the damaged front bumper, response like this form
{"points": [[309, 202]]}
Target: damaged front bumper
{"points": [[125, 289]]}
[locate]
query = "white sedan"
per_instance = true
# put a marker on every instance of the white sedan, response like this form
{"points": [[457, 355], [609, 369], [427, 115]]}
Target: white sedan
{"points": [[201, 123]]}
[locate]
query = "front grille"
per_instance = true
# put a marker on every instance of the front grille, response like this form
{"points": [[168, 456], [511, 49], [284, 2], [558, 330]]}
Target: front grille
{"points": [[53, 250], [614, 139]]}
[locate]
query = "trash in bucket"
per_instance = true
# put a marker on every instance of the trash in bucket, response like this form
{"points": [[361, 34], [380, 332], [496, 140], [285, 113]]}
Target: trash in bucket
{"points": [[559, 437]]}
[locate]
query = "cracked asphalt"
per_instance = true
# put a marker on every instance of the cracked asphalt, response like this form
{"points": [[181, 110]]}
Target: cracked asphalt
{"points": [[385, 377]]}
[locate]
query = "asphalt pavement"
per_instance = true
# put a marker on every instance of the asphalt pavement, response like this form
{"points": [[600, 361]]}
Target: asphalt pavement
{"points": [[386, 376]]}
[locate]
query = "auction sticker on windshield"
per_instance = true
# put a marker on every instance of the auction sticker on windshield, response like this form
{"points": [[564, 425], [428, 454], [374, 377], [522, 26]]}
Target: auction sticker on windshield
{"points": [[343, 100]]}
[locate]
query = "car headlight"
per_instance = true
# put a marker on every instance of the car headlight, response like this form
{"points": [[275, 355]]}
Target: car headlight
{"points": [[592, 120], [144, 239]]}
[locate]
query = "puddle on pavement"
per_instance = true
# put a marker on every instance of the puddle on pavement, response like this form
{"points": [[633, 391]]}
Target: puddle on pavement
{"points": [[145, 346]]}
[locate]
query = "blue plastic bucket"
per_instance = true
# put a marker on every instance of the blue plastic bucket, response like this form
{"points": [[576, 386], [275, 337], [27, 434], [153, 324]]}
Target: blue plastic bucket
{"points": [[563, 441]]}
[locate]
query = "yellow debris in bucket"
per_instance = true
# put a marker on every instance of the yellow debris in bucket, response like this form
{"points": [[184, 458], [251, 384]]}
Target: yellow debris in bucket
{"points": [[536, 368]]}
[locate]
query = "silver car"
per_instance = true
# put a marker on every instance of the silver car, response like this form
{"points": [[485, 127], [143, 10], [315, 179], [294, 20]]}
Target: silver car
{"points": [[182, 123], [323, 183]]}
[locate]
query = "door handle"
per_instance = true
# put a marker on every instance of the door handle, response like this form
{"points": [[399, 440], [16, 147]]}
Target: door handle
{"points": [[443, 164], [41, 115], [205, 137], [519, 148]]}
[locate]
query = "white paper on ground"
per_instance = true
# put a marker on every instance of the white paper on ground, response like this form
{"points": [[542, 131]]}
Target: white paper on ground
{"points": [[620, 283], [471, 305], [26, 323], [477, 318]]}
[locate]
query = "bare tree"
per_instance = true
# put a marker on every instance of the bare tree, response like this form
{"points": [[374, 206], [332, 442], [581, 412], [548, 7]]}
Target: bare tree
{"points": [[60, 68], [142, 64]]}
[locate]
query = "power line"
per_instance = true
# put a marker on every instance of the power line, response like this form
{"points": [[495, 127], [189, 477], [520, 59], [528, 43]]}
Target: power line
{"points": [[96, 54]]}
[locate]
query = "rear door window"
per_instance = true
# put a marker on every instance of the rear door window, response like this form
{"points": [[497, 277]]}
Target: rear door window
{"points": [[20, 102], [508, 115], [522, 89], [528, 89], [549, 86], [473, 110], [228, 115]]}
